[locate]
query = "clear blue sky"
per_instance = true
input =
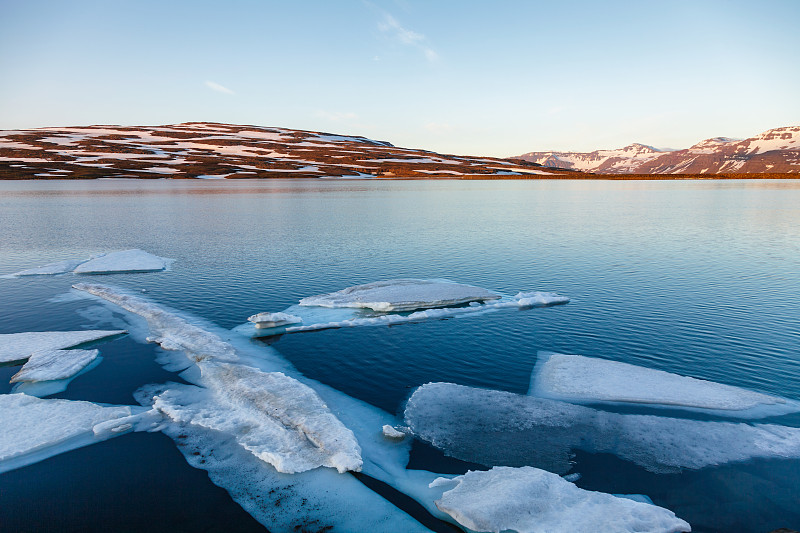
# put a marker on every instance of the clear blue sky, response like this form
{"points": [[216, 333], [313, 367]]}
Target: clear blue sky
{"points": [[468, 77]]}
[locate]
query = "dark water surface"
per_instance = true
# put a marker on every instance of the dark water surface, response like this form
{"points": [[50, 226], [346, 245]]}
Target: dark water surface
{"points": [[701, 278]]}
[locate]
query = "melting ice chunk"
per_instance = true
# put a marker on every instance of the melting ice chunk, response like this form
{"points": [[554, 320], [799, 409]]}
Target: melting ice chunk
{"points": [[529, 500], [54, 364], [34, 429], [579, 379], [20, 346], [60, 267], [402, 295], [170, 330], [275, 417], [501, 428], [274, 320], [124, 261]]}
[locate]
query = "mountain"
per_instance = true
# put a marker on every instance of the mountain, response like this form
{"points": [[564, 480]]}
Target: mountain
{"points": [[210, 150], [774, 151]]}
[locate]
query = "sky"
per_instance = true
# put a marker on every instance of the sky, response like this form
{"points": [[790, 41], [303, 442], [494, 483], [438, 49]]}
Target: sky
{"points": [[464, 77]]}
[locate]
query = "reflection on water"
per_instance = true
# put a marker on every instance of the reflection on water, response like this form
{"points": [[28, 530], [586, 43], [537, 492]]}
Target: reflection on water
{"points": [[694, 277]]}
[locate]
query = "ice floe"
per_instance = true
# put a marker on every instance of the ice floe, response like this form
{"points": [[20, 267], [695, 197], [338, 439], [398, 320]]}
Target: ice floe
{"points": [[275, 417], [391, 433], [60, 267], [170, 331], [579, 379], [54, 365], [389, 303], [314, 499], [493, 427], [34, 429], [273, 320], [530, 500], [402, 295], [20, 346], [125, 261]]}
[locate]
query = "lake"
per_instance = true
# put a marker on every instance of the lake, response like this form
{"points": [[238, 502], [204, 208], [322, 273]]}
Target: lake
{"points": [[698, 278]]}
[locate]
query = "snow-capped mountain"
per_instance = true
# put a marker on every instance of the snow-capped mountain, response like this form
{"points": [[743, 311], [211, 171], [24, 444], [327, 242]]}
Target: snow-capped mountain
{"points": [[210, 150], [774, 151]]}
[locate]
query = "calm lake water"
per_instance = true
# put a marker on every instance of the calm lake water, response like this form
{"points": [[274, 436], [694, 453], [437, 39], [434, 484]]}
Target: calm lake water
{"points": [[701, 278]]}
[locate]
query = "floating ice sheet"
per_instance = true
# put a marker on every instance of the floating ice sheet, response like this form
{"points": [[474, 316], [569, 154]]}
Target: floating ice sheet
{"points": [[20, 346], [54, 364], [313, 317], [579, 379], [275, 417], [313, 499], [124, 261], [34, 429], [171, 331], [530, 500], [501, 428], [402, 295], [60, 267]]}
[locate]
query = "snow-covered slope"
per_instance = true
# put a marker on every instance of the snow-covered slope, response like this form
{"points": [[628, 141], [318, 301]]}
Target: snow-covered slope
{"points": [[219, 151], [774, 151]]}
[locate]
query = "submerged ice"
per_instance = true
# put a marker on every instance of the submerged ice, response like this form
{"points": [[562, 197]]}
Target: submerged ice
{"points": [[493, 427], [575, 378], [20, 346], [402, 295], [530, 500]]}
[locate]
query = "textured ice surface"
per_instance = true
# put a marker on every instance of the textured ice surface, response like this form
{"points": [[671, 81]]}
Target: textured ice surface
{"points": [[580, 379], [60, 267], [275, 417], [34, 429], [124, 261], [54, 364], [391, 433], [317, 318], [20, 346], [171, 331], [530, 500], [402, 295], [315, 500], [272, 320], [501, 428]]}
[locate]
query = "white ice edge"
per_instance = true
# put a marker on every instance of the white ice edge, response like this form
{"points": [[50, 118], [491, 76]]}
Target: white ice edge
{"points": [[383, 459], [587, 380]]}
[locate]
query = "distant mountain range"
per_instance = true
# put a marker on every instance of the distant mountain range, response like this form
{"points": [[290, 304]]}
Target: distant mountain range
{"points": [[216, 151], [774, 151]]}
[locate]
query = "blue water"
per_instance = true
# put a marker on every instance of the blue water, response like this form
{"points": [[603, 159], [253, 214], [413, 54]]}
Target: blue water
{"points": [[701, 278]]}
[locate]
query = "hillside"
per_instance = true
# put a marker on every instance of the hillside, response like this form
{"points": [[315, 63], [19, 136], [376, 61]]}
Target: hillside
{"points": [[209, 150], [775, 151]]}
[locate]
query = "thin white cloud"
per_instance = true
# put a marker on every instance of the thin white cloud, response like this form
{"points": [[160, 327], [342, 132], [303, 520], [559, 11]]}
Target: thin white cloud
{"points": [[390, 26], [336, 116], [217, 87]]}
